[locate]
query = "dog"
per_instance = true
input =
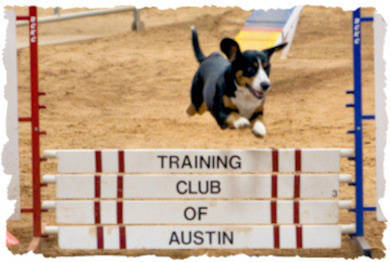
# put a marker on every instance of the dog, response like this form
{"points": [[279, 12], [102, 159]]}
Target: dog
{"points": [[233, 90]]}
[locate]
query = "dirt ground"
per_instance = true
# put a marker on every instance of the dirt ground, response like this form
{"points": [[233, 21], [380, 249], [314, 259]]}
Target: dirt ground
{"points": [[130, 90]]}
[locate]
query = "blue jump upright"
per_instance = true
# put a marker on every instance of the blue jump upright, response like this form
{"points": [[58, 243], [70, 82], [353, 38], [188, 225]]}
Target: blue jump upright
{"points": [[358, 132]]}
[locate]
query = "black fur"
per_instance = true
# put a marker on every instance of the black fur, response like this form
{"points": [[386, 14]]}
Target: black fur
{"points": [[195, 44]]}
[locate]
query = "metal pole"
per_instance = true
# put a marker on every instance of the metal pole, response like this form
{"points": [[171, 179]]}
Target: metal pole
{"points": [[36, 161], [79, 15], [359, 207]]}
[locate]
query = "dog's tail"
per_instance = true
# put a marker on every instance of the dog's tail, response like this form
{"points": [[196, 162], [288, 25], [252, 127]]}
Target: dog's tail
{"points": [[195, 44]]}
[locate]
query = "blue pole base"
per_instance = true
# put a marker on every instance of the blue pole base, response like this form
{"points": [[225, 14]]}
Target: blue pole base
{"points": [[363, 245]]}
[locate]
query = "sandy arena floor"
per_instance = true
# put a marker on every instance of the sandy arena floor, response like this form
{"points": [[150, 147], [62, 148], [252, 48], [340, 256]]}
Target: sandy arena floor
{"points": [[131, 89]]}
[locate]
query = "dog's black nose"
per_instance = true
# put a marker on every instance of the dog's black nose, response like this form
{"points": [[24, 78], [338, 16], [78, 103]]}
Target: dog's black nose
{"points": [[264, 85]]}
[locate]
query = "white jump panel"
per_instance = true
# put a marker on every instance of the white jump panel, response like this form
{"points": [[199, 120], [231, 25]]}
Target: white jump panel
{"points": [[198, 212], [198, 160], [192, 186], [198, 237]]}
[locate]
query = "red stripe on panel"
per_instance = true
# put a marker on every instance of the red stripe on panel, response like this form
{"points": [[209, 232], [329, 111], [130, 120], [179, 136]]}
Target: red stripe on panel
{"points": [[97, 186], [122, 237], [274, 186], [276, 236], [98, 161], [299, 236], [298, 160], [121, 161], [273, 212], [296, 212], [97, 212], [275, 160], [99, 234], [119, 184], [119, 212], [297, 186]]}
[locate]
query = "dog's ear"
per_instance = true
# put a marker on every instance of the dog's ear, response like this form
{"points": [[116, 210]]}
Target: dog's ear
{"points": [[271, 50], [230, 48]]}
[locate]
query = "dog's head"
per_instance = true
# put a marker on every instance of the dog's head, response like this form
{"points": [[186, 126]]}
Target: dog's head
{"points": [[251, 68]]}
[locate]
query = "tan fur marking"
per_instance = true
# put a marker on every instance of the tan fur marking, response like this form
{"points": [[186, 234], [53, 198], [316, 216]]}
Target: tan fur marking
{"points": [[228, 102], [243, 80], [259, 117], [203, 108], [232, 53], [239, 77], [191, 110], [232, 117]]}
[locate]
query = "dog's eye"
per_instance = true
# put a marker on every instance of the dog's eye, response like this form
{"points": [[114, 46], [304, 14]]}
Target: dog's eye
{"points": [[264, 64], [250, 71]]}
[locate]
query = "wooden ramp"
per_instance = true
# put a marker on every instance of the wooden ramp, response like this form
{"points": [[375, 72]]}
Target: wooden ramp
{"points": [[264, 29]]}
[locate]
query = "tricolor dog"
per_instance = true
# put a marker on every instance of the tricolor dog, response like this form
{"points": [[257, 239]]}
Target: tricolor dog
{"points": [[232, 90]]}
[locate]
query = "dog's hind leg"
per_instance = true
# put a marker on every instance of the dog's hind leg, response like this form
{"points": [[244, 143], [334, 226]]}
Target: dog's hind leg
{"points": [[191, 110], [197, 103]]}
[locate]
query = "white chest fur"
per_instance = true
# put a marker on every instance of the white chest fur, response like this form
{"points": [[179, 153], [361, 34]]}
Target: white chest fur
{"points": [[245, 102]]}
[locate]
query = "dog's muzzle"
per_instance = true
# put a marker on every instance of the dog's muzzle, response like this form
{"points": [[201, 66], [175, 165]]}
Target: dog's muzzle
{"points": [[256, 93]]}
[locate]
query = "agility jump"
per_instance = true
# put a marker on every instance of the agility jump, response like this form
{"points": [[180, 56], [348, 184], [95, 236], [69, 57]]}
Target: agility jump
{"points": [[104, 191], [109, 195]]}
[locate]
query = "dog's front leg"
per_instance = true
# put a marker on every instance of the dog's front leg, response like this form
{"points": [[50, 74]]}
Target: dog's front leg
{"points": [[234, 120], [258, 127]]}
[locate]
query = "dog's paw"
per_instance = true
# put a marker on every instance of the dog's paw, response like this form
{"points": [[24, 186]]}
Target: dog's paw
{"points": [[191, 110], [241, 123], [259, 129]]}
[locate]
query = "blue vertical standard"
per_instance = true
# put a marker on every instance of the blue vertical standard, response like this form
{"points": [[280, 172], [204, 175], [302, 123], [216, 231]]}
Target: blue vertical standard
{"points": [[358, 117]]}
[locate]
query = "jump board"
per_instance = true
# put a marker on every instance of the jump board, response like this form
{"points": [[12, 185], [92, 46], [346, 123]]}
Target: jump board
{"points": [[197, 211], [198, 160], [196, 186], [199, 237]]}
